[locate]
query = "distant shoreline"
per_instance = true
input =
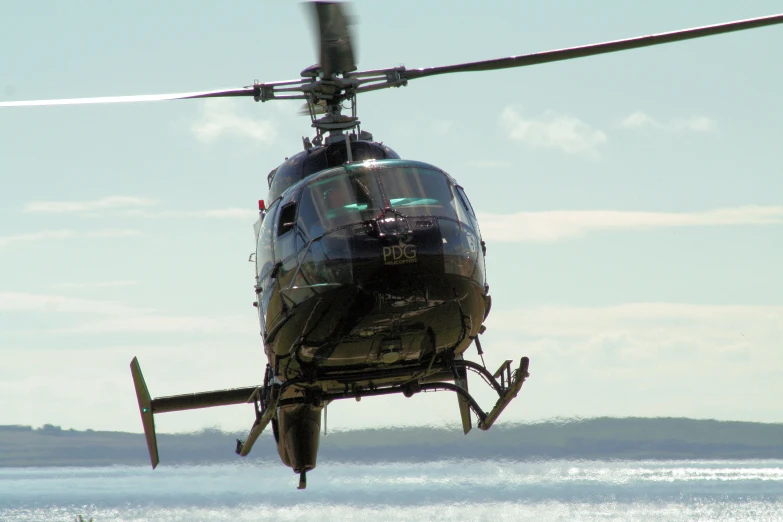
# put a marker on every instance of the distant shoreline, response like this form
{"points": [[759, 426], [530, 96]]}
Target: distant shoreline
{"points": [[589, 439]]}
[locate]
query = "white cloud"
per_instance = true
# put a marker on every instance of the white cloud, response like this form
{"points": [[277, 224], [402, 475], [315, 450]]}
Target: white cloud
{"points": [[99, 370], [113, 232], [554, 131], [221, 213], [36, 236], [648, 359], [101, 316], [219, 118], [704, 321], [638, 119], [165, 324], [66, 234], [24, 302], [560, 224], [694, 124], [117, 206], [442, 127], [638, 359], [242, 213], [107, 203], [92, 284], [490, 164]]}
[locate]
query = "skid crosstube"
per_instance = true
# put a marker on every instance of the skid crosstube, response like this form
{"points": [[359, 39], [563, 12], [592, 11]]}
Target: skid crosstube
{"points": [[263, 417], [507, 389]]}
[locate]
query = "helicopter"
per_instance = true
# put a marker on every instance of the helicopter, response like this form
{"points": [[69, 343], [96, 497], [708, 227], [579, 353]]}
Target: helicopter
{"points": [[369, 268]]}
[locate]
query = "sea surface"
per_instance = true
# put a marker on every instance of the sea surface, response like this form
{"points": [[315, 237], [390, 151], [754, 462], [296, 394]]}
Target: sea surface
{"points": [[462, 490]]}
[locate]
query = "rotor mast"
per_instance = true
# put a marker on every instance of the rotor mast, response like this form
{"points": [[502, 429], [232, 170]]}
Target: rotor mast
{"points": [[329, 89], [326, 97]]}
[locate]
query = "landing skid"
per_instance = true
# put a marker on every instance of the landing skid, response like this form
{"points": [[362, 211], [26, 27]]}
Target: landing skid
{"points": [[507, 389], [267, 398]]}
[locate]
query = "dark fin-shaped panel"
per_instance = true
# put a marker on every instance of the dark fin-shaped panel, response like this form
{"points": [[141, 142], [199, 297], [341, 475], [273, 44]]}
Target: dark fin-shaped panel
{"points": [[145, 409]]}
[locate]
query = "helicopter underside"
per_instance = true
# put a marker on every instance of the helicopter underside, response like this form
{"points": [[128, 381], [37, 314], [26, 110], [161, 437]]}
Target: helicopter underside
{"points": [[380, 325]]}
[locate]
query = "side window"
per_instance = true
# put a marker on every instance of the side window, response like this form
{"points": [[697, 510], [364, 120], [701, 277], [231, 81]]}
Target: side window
{"points": [[466, 208], [265, 258], [285, 242], [481, 274], [287, 215], [464, 200], [462, 211]]}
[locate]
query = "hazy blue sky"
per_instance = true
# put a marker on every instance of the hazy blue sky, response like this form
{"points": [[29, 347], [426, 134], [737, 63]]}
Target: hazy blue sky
{"points": [[632, 203]]}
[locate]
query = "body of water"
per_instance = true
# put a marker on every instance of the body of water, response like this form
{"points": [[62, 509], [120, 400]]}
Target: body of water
{"points": [[465, 490]]}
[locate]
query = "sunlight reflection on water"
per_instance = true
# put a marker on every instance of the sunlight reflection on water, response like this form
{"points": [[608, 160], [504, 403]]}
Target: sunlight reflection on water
{"points": [[545, 511], [467, 490]]}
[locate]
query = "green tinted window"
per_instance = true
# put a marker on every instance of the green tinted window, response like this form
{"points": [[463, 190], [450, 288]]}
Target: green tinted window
{"points": [[418, 191], [338, 200]]}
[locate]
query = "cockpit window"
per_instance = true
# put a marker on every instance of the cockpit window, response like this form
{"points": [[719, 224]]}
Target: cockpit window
{"points": [[339, 200], [418, 191]]}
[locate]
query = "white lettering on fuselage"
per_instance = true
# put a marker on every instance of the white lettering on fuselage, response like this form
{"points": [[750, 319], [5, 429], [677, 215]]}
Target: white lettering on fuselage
{"points": [[400, 254]]}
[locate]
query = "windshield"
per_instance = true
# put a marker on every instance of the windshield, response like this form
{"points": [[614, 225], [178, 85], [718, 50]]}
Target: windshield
{"points": [[339, 200], [418, 191], [345, 198]]}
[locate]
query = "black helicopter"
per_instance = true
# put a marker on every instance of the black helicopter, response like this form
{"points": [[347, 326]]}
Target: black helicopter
{"points": [[370, 276]]}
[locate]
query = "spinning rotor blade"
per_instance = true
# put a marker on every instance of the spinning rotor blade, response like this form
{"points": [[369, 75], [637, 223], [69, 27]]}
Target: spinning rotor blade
{"points": [[245, 91], [336, 51], [593, 49], [337, 58]]}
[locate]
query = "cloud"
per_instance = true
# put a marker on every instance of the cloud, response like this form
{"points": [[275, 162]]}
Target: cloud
{"points": [[704, 321], [556, 225], [489, 164], [93, 284], [219, 118], [113, 232], [36, 236], [221, 213], [118, 206], [638, 119], [24, 302], [165, 324], [553, 131], [230, 213], [66, 234], [107, 203], [442, 127], [650, 359], [98, 368], [101, 316]]}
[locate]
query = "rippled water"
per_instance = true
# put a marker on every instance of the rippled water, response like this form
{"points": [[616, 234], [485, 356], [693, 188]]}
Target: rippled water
{"points": [[474, 490]]}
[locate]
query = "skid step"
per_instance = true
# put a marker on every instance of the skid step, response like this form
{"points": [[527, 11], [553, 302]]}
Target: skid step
{"points": [[514, 381]]}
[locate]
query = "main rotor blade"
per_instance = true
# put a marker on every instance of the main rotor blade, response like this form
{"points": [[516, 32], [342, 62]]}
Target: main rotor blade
{"points": [[590, 50], [335, 40], [245, 91]]}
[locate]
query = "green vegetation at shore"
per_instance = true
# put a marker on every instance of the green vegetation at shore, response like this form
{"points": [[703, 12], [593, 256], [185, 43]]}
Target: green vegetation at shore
{"points": [[602, 438]]}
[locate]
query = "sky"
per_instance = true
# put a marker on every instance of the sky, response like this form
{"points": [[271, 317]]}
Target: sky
{"points": [[632, 203]]}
